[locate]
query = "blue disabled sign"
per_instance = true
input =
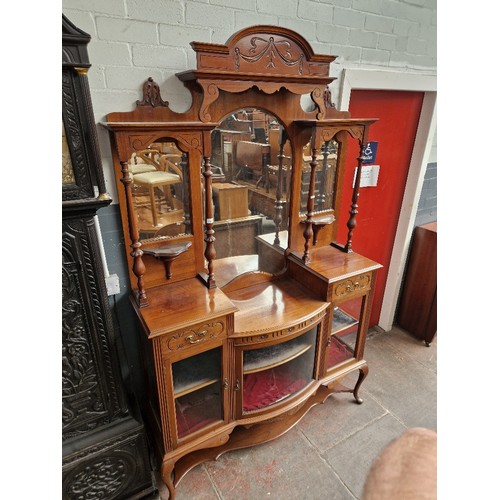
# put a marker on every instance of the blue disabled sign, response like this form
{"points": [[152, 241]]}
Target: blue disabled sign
{"points": [[370, 153]]}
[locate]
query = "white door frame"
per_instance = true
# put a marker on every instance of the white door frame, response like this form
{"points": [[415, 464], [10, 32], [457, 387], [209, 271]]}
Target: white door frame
{"points": [[394, 80]]}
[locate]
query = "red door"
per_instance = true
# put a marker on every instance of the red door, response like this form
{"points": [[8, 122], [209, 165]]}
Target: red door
{"points": [[379, 207]]}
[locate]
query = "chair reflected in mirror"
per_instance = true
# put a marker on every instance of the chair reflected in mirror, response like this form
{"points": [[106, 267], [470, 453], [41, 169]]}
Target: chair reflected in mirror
{"points": [[158, 173]]}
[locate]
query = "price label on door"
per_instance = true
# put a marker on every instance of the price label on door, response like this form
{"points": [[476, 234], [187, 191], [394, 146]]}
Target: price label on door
{"points": [[369, 176]]}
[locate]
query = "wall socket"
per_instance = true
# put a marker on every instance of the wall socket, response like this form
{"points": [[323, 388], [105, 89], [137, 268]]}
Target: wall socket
{"points": [[112, 284]]}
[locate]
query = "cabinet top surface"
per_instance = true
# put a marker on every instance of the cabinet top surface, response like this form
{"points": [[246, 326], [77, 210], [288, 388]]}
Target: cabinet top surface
{"points": [[332, 264], [263, 307], [183, 303], [272, 306]]}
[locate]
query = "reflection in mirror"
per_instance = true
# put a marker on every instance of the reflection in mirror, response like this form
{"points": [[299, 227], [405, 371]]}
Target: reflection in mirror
{"points": [[252, 164], [160, 191], [324, 178]]}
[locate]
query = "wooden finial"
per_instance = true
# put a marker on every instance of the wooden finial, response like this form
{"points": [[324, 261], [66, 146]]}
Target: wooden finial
{"points": [[151, 94]]}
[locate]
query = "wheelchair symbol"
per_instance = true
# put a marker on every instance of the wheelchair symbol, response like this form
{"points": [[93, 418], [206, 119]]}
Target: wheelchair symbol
{"points": [[368, 151]]}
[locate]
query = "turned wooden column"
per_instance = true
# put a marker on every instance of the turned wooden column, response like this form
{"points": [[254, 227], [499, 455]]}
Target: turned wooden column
{"points": [[308, 231], [138, 267], [279, 189], [351, 223], [209, 222]]}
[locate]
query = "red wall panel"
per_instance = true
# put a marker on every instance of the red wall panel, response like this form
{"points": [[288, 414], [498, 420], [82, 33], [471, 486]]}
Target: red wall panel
{"points": [[379, 207]]}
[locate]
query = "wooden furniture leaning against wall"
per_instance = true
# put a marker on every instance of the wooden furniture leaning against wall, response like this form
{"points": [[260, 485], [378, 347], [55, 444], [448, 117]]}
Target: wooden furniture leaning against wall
{"points": [[264, 311], [417, 311]]}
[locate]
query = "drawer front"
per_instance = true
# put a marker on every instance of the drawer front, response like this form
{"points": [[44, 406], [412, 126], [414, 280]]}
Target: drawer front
{"points": [[193, 336], [351, 287]]}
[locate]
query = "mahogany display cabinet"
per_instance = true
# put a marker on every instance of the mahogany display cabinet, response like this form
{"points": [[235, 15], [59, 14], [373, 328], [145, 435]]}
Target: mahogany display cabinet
{"points": [[252, 304]]}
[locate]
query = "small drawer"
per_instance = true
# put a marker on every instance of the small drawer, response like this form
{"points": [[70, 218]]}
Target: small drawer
{"points": [[194, 335], [357, 285]]}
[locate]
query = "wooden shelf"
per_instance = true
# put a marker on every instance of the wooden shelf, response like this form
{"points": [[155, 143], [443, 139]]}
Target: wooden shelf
{"points": [[270, 357], [342, 321], [192, 374], [194, 385]]}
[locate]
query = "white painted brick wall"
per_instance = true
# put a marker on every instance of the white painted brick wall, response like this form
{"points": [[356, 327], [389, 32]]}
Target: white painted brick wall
{"points": [[315, 11], [348, 17], [127, 30], [212, 16], [278, 7], [135, 39], [158, 11]]}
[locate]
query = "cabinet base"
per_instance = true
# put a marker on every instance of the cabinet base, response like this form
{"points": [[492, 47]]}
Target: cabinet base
{"points": [[244, 436]]}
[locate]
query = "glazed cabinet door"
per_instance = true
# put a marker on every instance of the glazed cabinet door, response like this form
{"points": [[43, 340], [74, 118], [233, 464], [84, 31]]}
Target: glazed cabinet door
{"points": [[195, 392], [349, 316], [273, 373], [198, 391]]}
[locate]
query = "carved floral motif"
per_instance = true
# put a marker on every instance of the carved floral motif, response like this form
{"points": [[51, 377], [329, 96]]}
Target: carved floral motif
{"points": [[88, 381], [103, 478], [79, 374], [274, 51], [201, 333], [353, 285]]}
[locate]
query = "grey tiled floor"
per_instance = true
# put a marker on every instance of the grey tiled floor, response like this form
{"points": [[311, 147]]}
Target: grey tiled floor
{"points": [[329, 452]]}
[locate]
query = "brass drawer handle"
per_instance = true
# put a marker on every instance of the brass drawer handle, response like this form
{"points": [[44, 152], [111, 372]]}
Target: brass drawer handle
{"points": [[191, 339]]}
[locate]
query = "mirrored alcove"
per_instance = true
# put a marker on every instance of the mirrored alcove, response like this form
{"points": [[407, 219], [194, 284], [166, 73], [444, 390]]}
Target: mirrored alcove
{"points": [[324, 177], [160, 191], [252, 166]]}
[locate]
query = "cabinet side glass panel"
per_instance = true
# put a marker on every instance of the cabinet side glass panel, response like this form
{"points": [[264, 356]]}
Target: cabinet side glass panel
{"points": [[272, 374], [344, 332], [197, 391]]}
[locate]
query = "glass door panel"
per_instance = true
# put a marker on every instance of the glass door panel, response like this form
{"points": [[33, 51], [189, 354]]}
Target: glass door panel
{"points": [[344, 332], [197, 391], [272, 374]]}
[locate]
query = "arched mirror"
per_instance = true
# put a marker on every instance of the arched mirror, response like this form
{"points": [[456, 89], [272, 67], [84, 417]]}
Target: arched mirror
{"points": [[160, 191], [252, 166]]}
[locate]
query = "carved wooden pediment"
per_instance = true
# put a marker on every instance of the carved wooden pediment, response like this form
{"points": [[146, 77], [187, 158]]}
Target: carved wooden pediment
{"points": [[257, 50], [266, 57]]}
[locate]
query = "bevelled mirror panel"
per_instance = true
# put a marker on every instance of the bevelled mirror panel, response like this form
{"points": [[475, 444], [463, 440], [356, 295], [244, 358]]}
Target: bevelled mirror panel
{"points": [[160, 191], [252, 166], [324, 181]]}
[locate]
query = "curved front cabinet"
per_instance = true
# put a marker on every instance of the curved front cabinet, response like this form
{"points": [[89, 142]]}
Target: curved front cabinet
{"points": [[270, 375]]}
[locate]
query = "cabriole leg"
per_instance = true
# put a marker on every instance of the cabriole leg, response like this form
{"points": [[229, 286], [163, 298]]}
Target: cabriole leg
{"points": [[363, 372], [166, 474]]}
